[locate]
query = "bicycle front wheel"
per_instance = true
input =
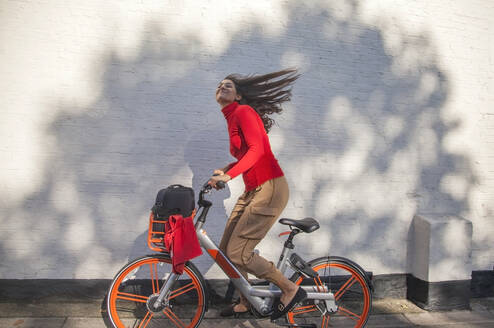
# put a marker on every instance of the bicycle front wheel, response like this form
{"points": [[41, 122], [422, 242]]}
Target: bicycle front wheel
{"points": [[351, 290], [138, 284]]}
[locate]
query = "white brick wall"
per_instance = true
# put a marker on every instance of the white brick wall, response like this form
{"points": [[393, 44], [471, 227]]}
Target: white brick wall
{"points": [[104, 103]]}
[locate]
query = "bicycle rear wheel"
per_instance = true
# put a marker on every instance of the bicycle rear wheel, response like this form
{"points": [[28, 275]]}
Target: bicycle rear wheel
{"points": [[137, 285], [351, 290]]}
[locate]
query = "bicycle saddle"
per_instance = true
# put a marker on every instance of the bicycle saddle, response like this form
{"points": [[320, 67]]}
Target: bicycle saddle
{"points": [[306, 224]]}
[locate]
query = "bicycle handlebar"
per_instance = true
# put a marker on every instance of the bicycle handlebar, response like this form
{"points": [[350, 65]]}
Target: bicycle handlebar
{"points": [[219, 184], [206, 187]]}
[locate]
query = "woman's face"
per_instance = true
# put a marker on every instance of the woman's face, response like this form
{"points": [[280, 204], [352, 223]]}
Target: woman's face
{"points": [[226, 93]]}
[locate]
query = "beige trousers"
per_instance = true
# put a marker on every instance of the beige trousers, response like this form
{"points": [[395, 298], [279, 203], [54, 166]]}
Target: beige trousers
{"points": [[253, 215]]}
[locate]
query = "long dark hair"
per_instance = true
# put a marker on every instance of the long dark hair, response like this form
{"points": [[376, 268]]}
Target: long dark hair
{"points": [[265, 93]]}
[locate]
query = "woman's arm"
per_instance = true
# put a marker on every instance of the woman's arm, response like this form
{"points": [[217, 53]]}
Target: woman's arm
{"points": [[225, 169]]}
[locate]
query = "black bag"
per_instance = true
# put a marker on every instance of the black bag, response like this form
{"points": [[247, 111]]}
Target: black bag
{"points": [[175, 199]]}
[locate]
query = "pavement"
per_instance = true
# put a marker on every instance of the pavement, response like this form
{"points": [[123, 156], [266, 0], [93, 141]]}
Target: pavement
{"points": [[385, 313]]}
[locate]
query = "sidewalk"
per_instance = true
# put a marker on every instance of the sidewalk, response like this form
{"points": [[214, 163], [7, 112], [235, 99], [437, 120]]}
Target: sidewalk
{"points": [[385, 313]]}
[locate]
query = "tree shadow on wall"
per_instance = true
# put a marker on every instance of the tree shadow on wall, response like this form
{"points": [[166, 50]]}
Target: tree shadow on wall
{"points": [[361, 142]]}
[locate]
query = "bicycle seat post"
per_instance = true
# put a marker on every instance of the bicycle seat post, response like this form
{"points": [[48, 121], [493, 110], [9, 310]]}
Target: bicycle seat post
{"points": [[289, 242], [287, 248]]}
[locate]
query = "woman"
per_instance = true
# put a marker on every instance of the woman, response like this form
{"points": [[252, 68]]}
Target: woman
{"points": [[246, 102]]}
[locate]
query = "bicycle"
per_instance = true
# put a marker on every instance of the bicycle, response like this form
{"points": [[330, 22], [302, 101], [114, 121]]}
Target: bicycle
{"points": [[146, 292]]}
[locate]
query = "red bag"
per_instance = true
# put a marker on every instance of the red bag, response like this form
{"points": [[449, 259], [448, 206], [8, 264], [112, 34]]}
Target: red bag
{"points": [[181, 241]]}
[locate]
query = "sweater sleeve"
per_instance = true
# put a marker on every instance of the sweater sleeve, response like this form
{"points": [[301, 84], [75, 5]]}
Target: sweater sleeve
{"points": [[229, 166], [247, 120]]}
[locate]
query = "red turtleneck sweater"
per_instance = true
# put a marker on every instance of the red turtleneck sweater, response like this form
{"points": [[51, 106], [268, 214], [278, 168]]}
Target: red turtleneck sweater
{"points": [[249, 144]]}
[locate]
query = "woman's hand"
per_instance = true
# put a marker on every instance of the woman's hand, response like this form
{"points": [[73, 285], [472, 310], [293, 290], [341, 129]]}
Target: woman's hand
{"points": [[215, 178]]}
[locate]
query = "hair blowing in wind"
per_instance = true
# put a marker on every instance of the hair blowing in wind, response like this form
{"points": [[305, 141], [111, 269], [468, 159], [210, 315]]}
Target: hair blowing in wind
{"points": [[265, 93]]}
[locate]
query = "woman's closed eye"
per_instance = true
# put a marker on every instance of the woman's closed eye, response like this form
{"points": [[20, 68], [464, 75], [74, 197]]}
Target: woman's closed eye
{"points": [[226, 85]]}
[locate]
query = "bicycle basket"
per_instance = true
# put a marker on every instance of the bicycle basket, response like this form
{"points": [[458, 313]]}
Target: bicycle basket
{"points": [[157, 231]]}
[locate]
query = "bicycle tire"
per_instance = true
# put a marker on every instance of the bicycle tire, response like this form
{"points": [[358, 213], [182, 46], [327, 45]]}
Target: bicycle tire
{"points": [[349, 284], [140, 280]]}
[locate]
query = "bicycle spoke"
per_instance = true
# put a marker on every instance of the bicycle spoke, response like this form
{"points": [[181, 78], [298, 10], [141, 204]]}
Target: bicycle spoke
{"points": [[345, 287], [319, 283], [146, 320], [132, 297], [182, 290], [173, 317], [154, 277], [304, 309], [349, 313], [325, 321]]}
